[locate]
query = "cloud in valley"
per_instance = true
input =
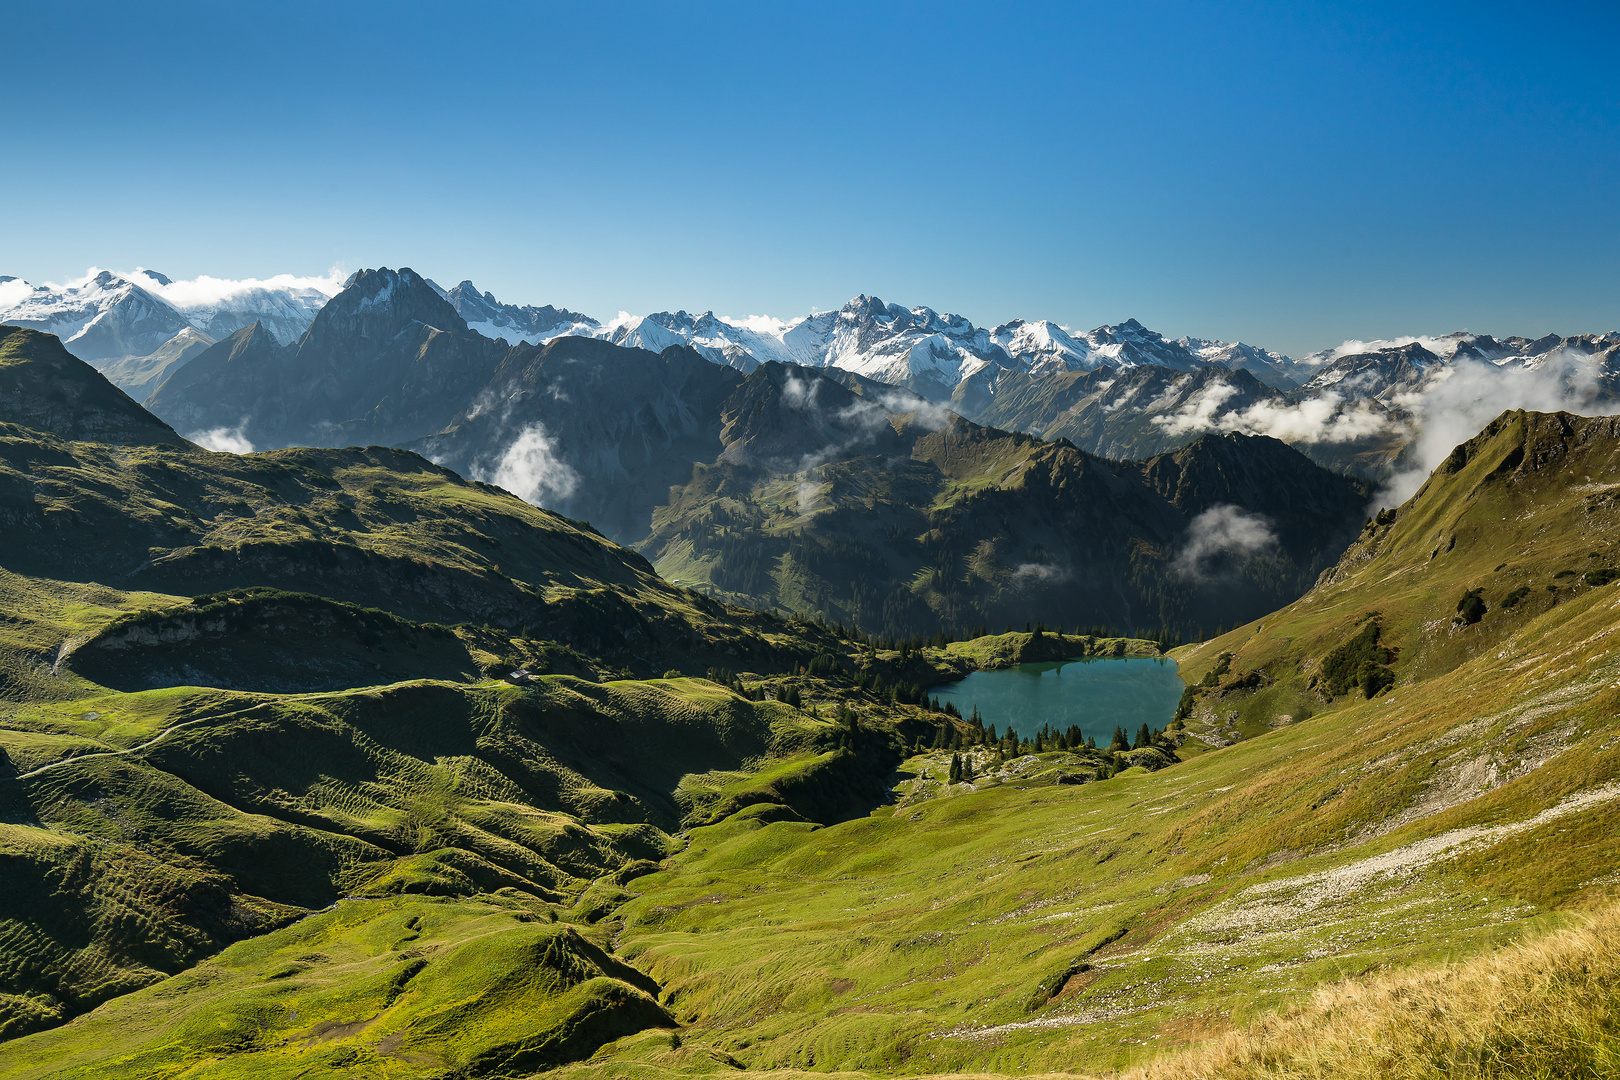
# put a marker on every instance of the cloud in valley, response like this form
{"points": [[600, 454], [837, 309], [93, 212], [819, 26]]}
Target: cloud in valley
{"points": [[1328, 417], [1220, 534], [224, 440], [1044, 573], [531, 469], [1461, 398]]}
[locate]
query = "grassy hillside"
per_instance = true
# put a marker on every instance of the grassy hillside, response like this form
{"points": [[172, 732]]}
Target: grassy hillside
{"points": [[1092, 927], [1547, 1007], [1414, 763], [44, 386], [233, 812], [469, 988]]}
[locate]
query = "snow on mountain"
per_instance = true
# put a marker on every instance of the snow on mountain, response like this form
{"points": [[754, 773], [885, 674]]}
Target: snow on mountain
{"points": [[1045, 347], [717, 339], [1268, 366], [1381, 369], [284, 304], [100, 317], [1130, 344], [918, 348], [532, 325], [105, 317]]}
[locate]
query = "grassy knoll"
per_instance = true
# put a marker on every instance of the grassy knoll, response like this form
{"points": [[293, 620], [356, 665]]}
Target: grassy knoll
{"points": [[1012, 648], [157, 827], [406, 986]]}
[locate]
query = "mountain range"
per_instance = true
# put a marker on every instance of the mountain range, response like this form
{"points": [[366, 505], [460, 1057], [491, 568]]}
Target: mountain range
{"points": [[1116, 391], [813, 489]]}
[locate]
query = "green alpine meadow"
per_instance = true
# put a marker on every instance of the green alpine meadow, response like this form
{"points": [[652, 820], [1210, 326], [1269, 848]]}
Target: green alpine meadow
{"points": [[854, 540], [330, 762]]}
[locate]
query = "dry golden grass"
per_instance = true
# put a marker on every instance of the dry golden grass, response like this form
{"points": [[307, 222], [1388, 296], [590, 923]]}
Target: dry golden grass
{"points": [[1545, 1008]]}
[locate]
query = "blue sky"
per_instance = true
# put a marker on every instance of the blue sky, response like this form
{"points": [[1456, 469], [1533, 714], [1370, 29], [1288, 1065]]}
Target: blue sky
{"points": [[1286, 174]]}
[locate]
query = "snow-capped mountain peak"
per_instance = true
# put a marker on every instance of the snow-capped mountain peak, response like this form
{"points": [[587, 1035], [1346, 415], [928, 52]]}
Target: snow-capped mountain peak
{"points": [[532, 325], [105, 316]]}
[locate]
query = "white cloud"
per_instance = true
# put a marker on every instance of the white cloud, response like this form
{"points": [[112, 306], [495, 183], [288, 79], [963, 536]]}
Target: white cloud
{"points": [[1324, 418], [1045, 573], [769, 325], [531, 469], [209, 292], [809, 494], [1457, 401], [1443, 345], [932, 416], [13, 293], [224, 440], [1223, 530]]}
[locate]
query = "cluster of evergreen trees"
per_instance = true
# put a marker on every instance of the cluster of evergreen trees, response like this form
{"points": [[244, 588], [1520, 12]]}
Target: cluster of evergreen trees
{"points": [[896, 693], [1165, 638], [1006, 744], [1145, 736]]}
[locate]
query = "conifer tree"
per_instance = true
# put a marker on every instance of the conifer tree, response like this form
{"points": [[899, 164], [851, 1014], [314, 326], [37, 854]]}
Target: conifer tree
{"points": [[956, 768]]}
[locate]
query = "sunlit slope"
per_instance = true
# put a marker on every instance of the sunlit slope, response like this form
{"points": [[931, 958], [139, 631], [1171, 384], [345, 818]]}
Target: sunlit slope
{"points": [[1089, 927], [143, 512], [147, 830], [1543, 1008], [393, 987], [1516, 525]]}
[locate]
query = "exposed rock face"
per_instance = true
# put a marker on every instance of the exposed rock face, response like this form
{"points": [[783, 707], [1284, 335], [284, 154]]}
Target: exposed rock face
{"points": [[528, 324]]}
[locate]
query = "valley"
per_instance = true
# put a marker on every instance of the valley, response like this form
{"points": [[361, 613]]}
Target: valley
{"points": [[337, 761]]}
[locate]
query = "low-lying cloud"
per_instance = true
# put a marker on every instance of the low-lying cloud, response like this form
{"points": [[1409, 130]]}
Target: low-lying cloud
{"points": [[1328, 417], [1045, 573], [224, 440], [1217, 536], [1452, 403], [531, 469], [209, 292], [1456, 401]]}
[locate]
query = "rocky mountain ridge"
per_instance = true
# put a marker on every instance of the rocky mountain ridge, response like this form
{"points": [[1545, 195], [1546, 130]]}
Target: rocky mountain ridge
{"points": [[1117, 391]]}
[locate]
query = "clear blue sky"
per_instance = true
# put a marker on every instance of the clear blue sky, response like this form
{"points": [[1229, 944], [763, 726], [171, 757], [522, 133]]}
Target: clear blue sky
{"points": [[1287, 174]]}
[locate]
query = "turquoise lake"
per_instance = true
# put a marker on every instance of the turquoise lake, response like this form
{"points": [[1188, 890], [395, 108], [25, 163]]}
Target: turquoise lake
{"points": [[1095, 694]]}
